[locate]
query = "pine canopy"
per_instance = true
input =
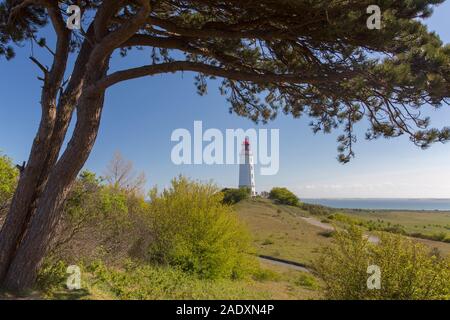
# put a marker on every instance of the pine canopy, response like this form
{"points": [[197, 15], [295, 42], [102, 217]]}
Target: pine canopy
{"points": [[300, 57]]}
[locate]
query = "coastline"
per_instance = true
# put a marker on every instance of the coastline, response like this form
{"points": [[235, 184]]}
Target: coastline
{"points": [[393, 204]]}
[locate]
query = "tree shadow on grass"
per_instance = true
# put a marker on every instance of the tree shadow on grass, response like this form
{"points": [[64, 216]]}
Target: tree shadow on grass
{"points": [[70, 294]]}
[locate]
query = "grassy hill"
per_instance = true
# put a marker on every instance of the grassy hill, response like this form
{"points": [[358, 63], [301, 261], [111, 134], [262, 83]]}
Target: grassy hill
{"points": [[279, 231], [424, 222], [284, 232]]}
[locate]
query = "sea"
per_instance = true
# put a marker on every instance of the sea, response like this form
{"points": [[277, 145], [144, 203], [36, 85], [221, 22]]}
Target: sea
{"points": [[385, 204]]}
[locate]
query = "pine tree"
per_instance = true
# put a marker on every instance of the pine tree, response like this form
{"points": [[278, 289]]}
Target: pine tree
{"points": [[314, 58]]}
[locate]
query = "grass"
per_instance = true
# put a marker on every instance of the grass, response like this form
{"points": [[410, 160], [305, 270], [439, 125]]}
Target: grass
{"points": [[279, 231], [429, 227], [147, 282], [289, 284], [425, 222]]}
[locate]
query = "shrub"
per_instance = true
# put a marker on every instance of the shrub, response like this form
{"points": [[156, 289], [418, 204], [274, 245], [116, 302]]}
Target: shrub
{"points": [[398, 229], [232, 196], [52, 276], [283, 196], [317, 210], [306, 280], [194, 230], [266, 275], [99, 222], [8, 180], [441, 236], [408, 269], [141, 282], [327, 233]]}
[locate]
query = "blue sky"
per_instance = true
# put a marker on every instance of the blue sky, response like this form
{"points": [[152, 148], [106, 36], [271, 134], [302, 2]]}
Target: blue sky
{"points": [[140, 115]]}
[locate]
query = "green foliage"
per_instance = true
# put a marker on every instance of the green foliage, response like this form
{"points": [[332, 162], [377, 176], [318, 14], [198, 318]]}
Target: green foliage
{"points": [[283, 196], [408, 269], [329, 66], [440, 236], [192, 229], [339, 217], [8, 180], [397, 228], [266, 275], [99, 221], [21, 29], [316, 210], [233, 196], [91, 202], [147, 282], [52, 276], [327, 233], [142, 282], [186, 226], [306, 280]]}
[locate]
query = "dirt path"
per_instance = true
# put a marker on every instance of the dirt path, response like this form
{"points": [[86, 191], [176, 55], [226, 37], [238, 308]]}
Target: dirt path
{"points": [[284, 263], [318, 223], [329, 227], [298, 266]]}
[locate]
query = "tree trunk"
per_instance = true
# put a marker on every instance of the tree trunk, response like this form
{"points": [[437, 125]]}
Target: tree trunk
{"points": [[25, 195], [29, 255], [44, 154]]}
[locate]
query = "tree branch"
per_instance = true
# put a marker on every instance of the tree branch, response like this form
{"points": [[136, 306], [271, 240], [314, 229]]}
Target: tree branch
{"points": [[116, 38], [56, 74], [104, 15], [40, 66], [262, 78], [17, 8], [212, 32]]}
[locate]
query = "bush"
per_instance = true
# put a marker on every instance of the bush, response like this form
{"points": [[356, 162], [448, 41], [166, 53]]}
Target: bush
{"points": [[283, 196], [8, 181], [317, 210], [327, 233], [306, 280], [441, 236], [52, 276], [99, 221], [266, 275], [408, 269], [195, 231], [232, 196]]}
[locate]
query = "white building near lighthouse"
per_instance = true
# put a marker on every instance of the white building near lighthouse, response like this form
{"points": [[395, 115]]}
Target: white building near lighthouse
{"points": [[246, 168]]}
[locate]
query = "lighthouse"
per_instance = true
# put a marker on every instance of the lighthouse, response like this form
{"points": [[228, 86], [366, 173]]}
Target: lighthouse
{"points": [[246, 168]]}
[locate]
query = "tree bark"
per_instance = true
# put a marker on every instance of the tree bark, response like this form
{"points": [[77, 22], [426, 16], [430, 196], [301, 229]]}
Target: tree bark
{"points": [[25, 195], [44, 154], [44, 186], [31, 252], [34, 176]]}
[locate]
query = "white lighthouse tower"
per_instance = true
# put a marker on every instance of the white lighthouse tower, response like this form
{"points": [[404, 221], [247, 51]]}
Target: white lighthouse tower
{"points": [[246, 168]]}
